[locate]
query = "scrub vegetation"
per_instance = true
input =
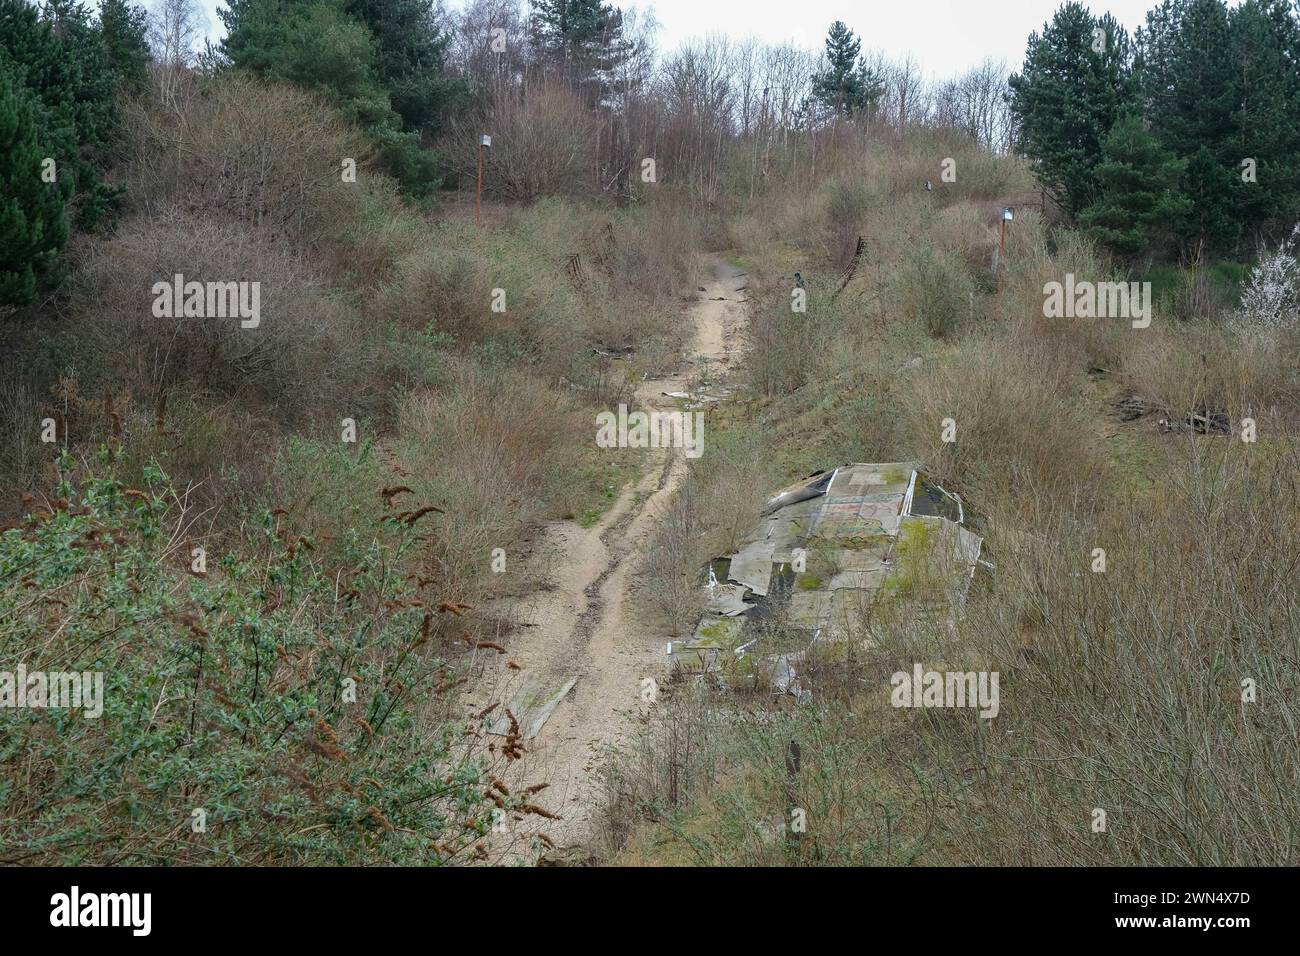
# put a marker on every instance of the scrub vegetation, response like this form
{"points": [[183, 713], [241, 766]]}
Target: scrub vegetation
{"points": [[277, 542]]}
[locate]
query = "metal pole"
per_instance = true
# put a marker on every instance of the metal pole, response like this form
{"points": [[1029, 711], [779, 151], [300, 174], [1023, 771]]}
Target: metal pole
{"points": [[478, 199], [1002, 243]]}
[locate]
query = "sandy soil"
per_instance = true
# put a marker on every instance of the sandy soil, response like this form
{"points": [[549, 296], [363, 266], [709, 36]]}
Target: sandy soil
{"points": [[581, 625]]}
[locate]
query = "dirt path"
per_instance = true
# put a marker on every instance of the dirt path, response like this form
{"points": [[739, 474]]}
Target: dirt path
{"points": [[581, 626]]}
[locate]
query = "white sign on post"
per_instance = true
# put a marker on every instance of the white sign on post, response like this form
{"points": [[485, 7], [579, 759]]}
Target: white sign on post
{"points": [[485, 140]]}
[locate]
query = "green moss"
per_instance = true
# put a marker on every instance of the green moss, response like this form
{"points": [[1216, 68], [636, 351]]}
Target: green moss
{"points": [[722, 633], [913, 570], [896, 476], [712, 631], [915, 537]]}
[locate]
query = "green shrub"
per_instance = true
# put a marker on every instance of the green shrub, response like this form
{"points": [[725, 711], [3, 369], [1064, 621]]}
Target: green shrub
{"points": [[227, 691], [933, 290]]}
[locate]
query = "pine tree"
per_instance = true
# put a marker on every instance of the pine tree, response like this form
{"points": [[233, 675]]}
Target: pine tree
{"points": [[318, 45], [847, 86], [1266, 115], [33, 226], [410, 58], [125, 27], [1211, 187], [1075, 84], [1186, 73], [1196, 108], [58, 54], [1137, 182], [1154, 48], [585, 37]]}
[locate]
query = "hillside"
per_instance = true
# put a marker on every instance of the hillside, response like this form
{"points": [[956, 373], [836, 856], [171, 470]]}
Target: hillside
{"points": [[373, 512]]}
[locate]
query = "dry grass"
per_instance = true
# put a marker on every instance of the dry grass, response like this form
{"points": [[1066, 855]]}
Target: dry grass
{"points": [[1019, 418], [1119, 690], [1123, 690]]}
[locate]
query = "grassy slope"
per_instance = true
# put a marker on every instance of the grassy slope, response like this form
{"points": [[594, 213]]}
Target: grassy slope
{"points": [[1147, 730], [371, 310]]}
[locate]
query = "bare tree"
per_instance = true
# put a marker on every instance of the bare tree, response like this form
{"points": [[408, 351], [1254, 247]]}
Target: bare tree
{"points": [[745, 69], [905, 87], [175, 28], [700, 99], [787, 74], [975, 103], [634, 117], [545, 141], [489, 45]]}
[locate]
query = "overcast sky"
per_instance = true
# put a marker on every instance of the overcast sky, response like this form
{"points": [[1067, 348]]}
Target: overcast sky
{"points": [[944, 36]]}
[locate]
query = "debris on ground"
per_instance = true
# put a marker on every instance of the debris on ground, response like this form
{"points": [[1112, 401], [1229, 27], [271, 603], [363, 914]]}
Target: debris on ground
{"points": [[828, 548], [1200, 422], [533, 704], [1131, 408]]}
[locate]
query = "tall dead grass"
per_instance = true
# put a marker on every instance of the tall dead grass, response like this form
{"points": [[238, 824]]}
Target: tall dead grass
{"points": [[1121, 690], [1022, 428], [1124, 690]]}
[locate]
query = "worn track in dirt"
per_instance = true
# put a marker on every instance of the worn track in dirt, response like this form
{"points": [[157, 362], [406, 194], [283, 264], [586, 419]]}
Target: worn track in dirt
{"points": [[581, 625]]}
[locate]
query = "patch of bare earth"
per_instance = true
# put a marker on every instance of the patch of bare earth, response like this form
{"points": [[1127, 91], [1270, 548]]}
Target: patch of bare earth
{"points": [[581, 624]]}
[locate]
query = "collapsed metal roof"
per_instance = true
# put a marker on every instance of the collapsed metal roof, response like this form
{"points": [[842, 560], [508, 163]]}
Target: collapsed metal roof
{"points": [[828, 550]]}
